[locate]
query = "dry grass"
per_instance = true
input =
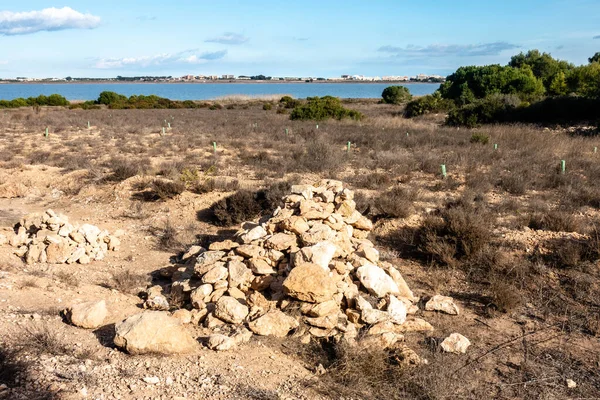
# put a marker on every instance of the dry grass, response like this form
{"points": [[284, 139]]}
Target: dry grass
{"points": [[472, 246], [43, 339], [129, 282]]}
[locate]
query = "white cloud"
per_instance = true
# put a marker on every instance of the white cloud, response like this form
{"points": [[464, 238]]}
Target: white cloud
{"points": [[3, 62], [48, 19], [445, 50], [165, 59], [229, 38]]}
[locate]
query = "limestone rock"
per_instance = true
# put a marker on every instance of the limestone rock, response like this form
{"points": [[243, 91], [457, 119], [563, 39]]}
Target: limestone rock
{"points": [[220, 342], [296, 225], [184, 316], [317, 233], [273, 323], [153, 332], [376, 280], [416, 325], [280, 241], [456, 343], [397, 310], [255, 233], [216, 274], [321, 254], [442, 303], [88, 315], [208, 258], [322, 309], [309, 282], [403, 289], [231, 310]]}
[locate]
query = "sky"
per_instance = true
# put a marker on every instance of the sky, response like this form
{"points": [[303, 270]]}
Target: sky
{"points": [[323, 38]]}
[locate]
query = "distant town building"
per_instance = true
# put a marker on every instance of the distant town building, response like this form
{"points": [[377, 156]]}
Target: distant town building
{"points": [[228, 76]]}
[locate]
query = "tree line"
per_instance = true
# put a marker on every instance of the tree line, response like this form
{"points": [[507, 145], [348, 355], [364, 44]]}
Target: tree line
{"points": [[532, 87]]}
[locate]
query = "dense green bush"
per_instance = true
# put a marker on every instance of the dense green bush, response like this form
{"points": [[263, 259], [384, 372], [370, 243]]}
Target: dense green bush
{"points": [[396, 95], [552, 110], [481, 138], [41, 100], [431, 103], [108, 98], [320, 108], [543, 66], [118, 101], [289, 102], [468, 84], [585, 80], [483, 111]]}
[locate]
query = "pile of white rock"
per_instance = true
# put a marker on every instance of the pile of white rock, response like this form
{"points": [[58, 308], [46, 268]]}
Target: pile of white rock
{"points": [[308, 269], [48, 237]]}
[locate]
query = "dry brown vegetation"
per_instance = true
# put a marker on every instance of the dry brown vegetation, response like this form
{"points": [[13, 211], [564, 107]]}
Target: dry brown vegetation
{"points": [[506, 233]]}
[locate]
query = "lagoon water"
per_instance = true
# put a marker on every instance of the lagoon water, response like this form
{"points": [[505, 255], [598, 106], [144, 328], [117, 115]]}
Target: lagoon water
{"points": [[206, 91]]}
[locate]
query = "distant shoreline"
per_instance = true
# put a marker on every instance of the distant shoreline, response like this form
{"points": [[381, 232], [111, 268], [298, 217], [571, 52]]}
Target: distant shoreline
{"points": [[209, 82]]}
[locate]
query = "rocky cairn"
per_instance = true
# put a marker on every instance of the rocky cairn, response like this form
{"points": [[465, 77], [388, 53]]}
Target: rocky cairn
{"points": [[49, 237], [308, 269]]}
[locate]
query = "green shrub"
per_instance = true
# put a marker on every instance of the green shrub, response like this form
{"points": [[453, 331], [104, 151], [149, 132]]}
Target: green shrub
{"points": [[109, 98], [396, 95], [480, 138], [320, 108], [468, 84], [267, 106], [431, 103], [42, 100], [494, 108], [289, 102]]}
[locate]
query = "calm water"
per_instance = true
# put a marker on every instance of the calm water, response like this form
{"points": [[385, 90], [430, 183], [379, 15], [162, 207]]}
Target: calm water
{"points": [[206, 91]]}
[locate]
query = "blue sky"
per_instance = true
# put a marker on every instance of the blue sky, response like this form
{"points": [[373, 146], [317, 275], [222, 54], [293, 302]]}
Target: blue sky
{"points": [[280, 38]]}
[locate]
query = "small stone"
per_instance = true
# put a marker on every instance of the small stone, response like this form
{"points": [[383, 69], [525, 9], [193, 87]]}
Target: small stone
{"points": [[183, 315], [397, 310], [220, 342], [280, 241], [376, 280], [442, 303], [456, 343], [153, 332], [250, 251], [88, 315], [296, 225], [416, 325], [225, 245], [231, 310], [322, 309], [216, 274], [151, 380], [157, 302], [309, 282], [253, 234], [273, 323], [260, 267], [305, 191], [571, 384]]}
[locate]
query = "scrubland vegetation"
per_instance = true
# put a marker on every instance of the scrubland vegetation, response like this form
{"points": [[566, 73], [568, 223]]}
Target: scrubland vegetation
{"points": [[506, 232]]}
